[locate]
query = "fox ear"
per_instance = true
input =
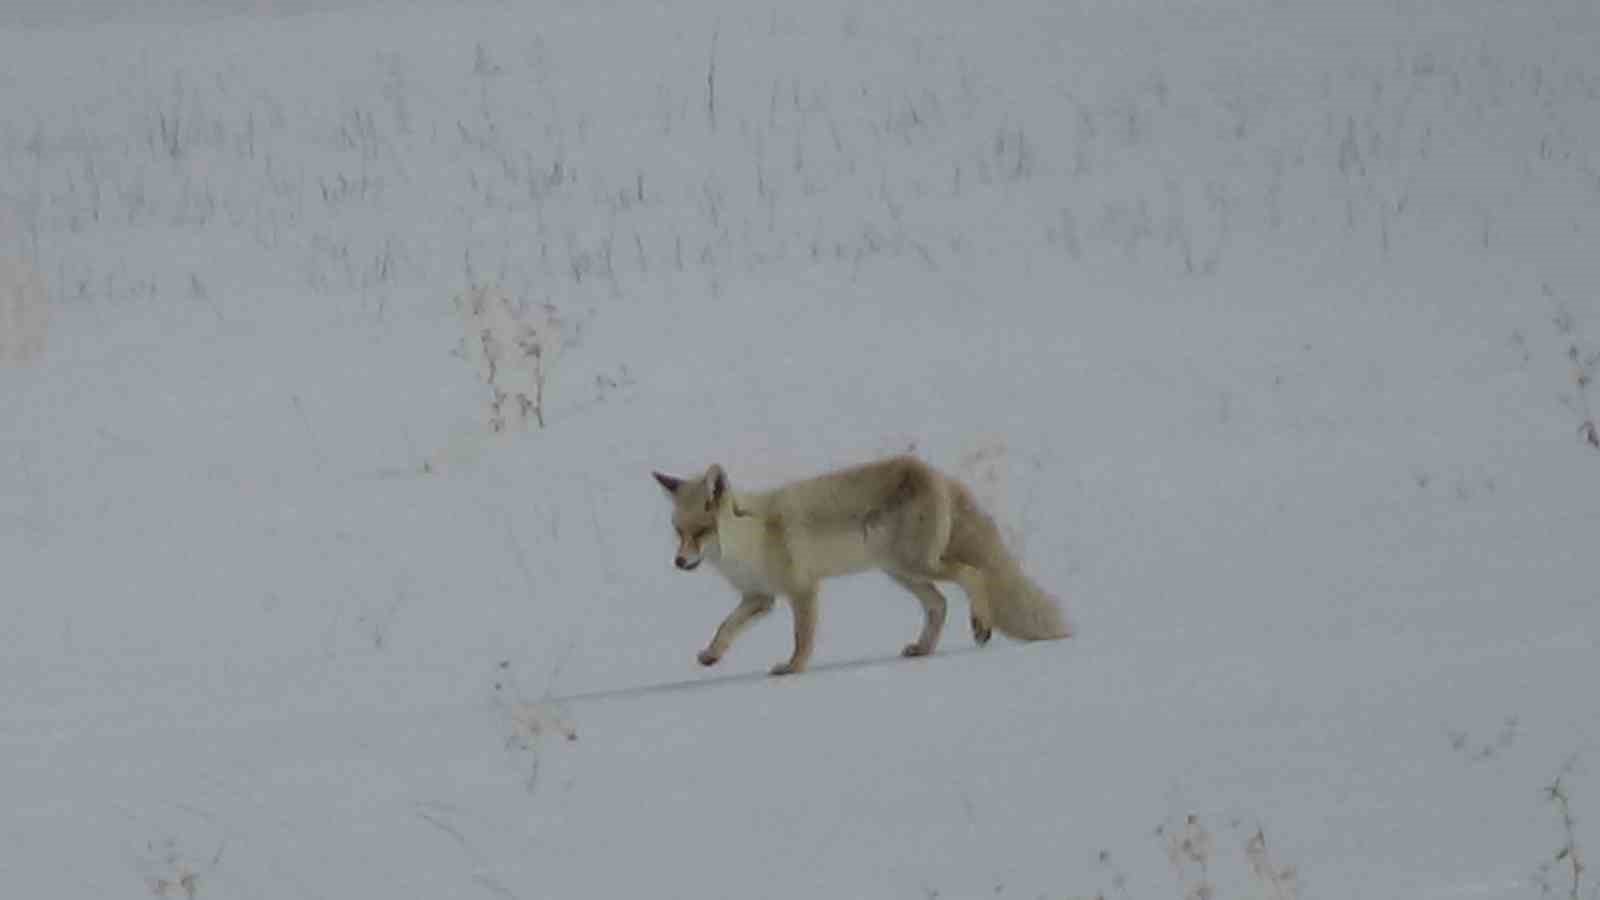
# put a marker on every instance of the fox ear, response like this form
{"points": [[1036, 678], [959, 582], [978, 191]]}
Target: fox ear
{"points": [[716, 482], [668, 482]]}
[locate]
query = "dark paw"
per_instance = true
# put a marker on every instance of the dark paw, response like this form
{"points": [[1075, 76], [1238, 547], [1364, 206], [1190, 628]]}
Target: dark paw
{"points": [[707, 658], [980, 632]]}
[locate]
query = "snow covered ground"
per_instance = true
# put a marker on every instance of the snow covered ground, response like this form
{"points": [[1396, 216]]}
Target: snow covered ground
{"points": [[1267, 328]]}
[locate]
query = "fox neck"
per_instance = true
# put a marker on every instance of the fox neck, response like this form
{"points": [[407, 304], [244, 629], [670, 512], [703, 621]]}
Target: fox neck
{"points": [[739, 539], [739, 529]]}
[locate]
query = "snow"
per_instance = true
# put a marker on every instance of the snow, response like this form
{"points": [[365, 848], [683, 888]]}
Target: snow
{"points": [[1265, 329]]}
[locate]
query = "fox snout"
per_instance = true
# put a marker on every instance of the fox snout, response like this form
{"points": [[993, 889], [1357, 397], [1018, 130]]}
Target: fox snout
{"points": [[694, 515]]}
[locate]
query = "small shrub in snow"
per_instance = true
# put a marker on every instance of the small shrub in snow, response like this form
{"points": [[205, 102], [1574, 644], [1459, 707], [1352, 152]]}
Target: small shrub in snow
{"points": [[1584, 365], [1280, 882], [1565, 868], [1189, 851], [513, 348], [24, 311]]}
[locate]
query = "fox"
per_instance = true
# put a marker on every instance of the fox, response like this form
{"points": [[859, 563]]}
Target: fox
{"points": [[898, 515]]}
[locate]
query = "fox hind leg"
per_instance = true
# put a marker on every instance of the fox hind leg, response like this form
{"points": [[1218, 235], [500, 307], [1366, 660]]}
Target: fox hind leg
{"points": [[972, 584], [934, 607]]}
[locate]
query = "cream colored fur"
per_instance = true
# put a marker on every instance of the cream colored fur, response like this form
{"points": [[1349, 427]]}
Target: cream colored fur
{"points": [[897, 515]]}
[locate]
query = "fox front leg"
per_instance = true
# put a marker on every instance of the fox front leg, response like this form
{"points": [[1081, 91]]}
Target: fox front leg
{"points": [[804, 606], [751, 607]]}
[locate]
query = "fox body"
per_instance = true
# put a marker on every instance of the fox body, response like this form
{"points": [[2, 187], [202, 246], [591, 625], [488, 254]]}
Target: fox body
{"points": [[897, 515]]}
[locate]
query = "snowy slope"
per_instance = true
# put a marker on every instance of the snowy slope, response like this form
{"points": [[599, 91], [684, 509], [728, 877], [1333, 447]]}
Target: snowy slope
{"points": [[1265, 328]]}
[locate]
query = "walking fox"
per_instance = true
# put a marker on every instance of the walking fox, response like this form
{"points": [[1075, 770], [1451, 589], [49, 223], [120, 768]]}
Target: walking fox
{"points": [[898, 515]]}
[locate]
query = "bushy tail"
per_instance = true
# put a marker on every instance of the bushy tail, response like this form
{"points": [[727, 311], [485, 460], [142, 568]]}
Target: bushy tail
{"points": [[1021, 609]]}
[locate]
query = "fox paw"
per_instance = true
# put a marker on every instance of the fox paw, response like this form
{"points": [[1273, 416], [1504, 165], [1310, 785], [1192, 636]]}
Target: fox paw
{"points": [[785, 668], [915, 650], [981, 632], [707, 658]]}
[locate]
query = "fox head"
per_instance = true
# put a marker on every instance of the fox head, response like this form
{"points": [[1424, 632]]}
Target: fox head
{"points": [[695, 505]]}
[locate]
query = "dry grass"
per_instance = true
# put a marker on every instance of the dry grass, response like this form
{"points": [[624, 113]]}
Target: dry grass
{"points": [[513, 347], [24, 311]]}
